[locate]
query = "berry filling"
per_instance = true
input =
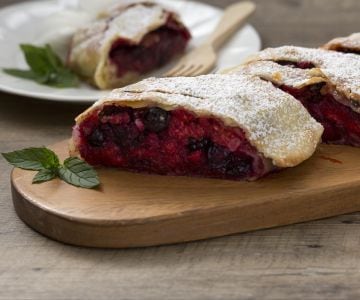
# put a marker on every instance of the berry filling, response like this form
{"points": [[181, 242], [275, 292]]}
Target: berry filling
{"points": [[341, 123], [175, 142], [156, 49]]}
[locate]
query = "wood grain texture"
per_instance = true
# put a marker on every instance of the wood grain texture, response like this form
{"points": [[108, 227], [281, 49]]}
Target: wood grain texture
{"points": [[314, 260], [136, 210]]}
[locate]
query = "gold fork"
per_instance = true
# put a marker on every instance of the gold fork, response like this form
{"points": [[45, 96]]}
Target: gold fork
{"points": [[203, 59]]}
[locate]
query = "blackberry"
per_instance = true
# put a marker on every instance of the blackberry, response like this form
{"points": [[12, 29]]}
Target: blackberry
{"points": [[156, 119], [96, 138], [217, 157], [238, 167]]}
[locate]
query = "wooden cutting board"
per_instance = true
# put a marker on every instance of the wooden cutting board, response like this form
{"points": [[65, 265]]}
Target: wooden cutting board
{"points": [[131, 210]]}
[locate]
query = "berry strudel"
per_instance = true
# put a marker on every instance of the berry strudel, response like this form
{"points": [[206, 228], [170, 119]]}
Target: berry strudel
{"points": [[221, 126], [349, 44], [127, 41], [326, 82]]}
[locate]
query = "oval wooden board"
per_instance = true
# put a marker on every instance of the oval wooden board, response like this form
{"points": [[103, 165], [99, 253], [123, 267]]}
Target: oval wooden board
{"points": [[131, 210]]}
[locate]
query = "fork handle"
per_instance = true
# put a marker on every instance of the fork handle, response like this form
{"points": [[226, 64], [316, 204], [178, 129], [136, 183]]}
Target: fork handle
{"points": [[233, 18]]}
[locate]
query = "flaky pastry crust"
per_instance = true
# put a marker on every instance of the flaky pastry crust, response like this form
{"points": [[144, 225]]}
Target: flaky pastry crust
{"points": [[349, 43], [341, 71], [278, 74]]}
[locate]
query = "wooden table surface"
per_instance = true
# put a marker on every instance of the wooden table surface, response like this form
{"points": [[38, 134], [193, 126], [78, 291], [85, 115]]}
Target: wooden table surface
{"points": [[316, 260]]}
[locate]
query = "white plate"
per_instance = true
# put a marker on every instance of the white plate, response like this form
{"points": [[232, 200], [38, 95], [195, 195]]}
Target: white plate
{"points": [[40, 22]]}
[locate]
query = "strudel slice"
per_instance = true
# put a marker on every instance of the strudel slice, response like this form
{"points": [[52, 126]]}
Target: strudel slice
{"points": [[349, 44], [126, 42], [326, 82], [221, 126]]}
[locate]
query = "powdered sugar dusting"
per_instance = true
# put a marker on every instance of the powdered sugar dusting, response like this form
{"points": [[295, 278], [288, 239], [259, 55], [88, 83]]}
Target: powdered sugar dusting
{"points": [[133, 23], [275, 122], [343, 70], [130, 23]]}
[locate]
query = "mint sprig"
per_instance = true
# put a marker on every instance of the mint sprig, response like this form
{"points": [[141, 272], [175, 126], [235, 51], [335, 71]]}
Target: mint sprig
{"points": [[73, 171], [35, 159], [78, 173], [44, 175], [46, 68]]}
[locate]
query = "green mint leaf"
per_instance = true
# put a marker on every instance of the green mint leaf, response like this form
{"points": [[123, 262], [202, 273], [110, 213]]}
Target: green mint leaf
{"points": [[44, 175], [46, 68], [37, 59], [43, 79], [53, 58], [74, 171], [33, 159], [63, 79], [27, 74], [78, 173]]}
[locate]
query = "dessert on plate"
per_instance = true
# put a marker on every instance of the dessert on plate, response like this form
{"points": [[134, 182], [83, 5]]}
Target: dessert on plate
{"points": [[326, 82], [128, 40], [349, 44], [222, 126]]}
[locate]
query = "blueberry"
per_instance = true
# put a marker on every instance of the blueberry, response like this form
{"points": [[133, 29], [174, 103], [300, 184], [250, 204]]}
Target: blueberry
{"points": [[217, 157], [221, 159], [156, 119], [202, 144], [96, 138], [238, 167]]}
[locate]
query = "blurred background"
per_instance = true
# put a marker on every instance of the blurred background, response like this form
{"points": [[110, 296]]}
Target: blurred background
{"points": [[298, 22]]}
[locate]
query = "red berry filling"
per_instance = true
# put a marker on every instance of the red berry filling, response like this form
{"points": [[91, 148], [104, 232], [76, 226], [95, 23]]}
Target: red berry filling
{"points": [[341, 123], [156, 49], [175, 142]]}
